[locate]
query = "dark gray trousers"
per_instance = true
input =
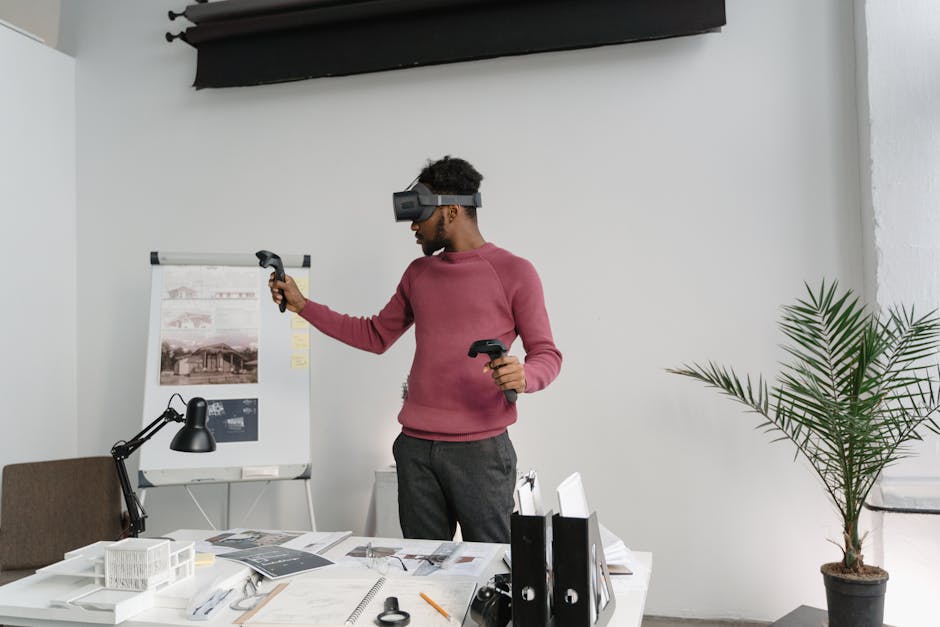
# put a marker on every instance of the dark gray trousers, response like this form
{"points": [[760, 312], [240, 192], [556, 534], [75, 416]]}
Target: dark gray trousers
{"points": [[441, 484]]}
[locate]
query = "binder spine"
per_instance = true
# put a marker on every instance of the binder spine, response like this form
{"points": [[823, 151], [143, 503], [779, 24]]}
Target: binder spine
{"points": [[531, 544], [583, 596]]}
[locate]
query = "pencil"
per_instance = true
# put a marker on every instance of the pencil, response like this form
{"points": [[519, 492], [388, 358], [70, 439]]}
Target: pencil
{"points": [[435, 605]]}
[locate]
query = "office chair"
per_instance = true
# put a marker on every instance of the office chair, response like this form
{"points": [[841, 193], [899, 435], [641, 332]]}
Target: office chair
{"points": [[48, 508]]}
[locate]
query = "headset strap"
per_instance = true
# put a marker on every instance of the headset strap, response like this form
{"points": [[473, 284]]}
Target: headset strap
{"points": [[437, 200]]}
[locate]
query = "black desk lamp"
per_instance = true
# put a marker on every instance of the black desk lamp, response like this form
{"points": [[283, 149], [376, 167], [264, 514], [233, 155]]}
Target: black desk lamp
{"points": [[194, 437]]}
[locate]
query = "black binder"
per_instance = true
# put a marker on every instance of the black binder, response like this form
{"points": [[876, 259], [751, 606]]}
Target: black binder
{"points": [[583, 595], [531, 544]]}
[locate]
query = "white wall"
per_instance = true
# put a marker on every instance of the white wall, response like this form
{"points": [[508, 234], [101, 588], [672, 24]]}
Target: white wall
{"points": [[37, 199], [903, 95], [904, 124], [673, 194]]}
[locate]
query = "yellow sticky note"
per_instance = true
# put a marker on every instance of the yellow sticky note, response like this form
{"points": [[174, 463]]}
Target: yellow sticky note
{"points": [[303, 283], [300, 341], [299, 361], [296, 322]]}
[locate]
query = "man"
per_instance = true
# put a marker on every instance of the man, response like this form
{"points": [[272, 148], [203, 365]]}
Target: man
{"points": [[454, 459]]}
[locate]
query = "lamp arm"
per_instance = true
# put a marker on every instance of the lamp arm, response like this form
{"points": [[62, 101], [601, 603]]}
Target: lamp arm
{"points": [[121, 451], [135, 511], [126, 448]]}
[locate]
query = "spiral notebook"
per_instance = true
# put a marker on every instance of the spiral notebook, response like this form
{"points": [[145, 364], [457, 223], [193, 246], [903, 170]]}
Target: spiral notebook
{"points": [[358, 600]]}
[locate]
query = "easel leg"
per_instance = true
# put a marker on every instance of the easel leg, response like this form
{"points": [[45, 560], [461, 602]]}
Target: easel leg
{"points": [[255, 503], [199, 507]]}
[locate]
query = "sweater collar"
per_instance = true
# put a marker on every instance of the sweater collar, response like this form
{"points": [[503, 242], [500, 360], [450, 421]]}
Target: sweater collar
{"points": [[467, 255]]}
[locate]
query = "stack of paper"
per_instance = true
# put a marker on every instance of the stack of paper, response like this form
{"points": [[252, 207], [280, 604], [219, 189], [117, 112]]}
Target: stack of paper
{"points": [[619, 558]]}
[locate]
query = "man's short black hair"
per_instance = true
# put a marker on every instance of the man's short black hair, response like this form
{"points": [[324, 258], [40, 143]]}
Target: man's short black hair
{"points": [[451, 175]]}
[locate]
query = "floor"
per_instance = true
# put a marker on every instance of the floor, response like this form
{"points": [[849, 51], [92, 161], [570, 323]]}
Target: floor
{"points": [[660, 621]]}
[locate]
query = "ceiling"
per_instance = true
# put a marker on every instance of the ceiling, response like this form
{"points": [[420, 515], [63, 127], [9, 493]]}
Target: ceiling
{"points": [[39, 18]]}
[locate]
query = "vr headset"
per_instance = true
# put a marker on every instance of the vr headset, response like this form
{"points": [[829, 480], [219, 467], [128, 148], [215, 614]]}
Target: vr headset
{"points": [[418, 203]]}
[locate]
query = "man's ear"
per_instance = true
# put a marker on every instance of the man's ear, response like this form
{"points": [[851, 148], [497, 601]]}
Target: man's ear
{"points": [[452, 212]]}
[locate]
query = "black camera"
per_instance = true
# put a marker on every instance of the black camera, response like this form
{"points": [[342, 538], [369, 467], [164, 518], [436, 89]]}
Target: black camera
{"points": [[492, 604]]}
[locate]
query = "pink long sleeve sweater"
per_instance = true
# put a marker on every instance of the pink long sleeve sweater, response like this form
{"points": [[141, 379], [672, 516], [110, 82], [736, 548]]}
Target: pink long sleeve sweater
{"points": [[453, 299]]}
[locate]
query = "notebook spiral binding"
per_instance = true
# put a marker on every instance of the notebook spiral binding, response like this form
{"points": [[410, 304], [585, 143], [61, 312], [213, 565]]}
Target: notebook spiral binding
{"points": [[374, 590]]}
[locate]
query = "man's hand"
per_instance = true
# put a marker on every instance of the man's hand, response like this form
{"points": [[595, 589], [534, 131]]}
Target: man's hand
{"points": [[508, 373], [295, 300]]}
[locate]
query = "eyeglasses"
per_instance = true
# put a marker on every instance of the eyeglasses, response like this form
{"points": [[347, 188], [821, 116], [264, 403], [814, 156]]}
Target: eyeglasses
{"points": [[378, 559]]}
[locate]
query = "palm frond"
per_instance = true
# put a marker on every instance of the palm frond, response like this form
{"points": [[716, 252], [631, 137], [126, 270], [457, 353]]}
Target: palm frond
{"points": [[853, 397]]}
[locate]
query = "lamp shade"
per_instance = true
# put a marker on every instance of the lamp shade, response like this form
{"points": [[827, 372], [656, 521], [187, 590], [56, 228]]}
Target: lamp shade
{"points": [[194, 437]]}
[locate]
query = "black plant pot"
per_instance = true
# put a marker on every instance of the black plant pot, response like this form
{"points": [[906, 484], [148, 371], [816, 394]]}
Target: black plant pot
{"points": [[855, 602]]}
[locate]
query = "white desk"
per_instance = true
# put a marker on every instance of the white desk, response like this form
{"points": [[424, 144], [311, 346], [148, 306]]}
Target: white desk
{"points": [[26, 602]]}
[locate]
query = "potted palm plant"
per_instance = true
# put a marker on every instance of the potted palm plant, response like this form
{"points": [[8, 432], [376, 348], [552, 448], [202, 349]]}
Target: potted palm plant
{"points": [[855, 393]]}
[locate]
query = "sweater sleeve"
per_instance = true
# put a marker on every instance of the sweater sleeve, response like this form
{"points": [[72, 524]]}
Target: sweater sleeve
{"points": [[375, 333], [543, 359]]}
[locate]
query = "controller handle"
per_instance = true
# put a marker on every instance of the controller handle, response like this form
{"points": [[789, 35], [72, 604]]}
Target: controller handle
{"points": [[267, 259], [492, 349]]}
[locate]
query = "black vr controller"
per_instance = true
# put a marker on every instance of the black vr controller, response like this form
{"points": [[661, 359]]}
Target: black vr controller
{"points": [[492, 349], [267, 259]]}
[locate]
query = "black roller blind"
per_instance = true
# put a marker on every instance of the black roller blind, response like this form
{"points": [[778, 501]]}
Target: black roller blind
{"points": [[252, 42]]}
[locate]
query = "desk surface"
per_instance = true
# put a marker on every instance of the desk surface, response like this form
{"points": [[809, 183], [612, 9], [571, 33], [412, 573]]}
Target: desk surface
{"points": [[26, 602]]}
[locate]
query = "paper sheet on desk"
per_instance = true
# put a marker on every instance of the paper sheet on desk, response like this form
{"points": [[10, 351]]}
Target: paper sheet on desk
{"points": [[333, 600], [427, 557]]}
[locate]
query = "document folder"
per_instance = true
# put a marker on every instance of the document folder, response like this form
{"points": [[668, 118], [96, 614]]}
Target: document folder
{"points": [[531, 546], [583, 595]]}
